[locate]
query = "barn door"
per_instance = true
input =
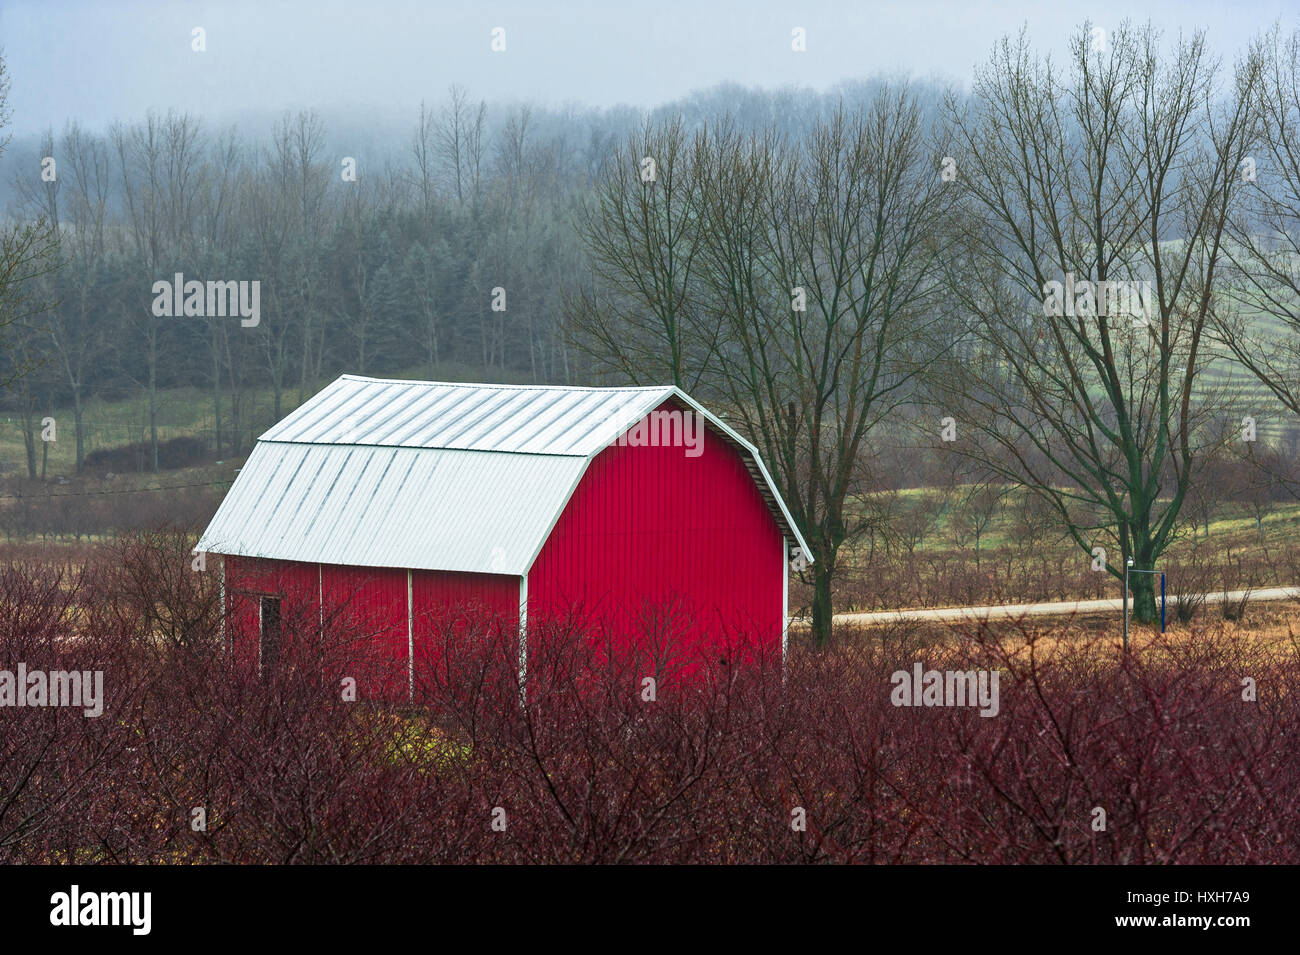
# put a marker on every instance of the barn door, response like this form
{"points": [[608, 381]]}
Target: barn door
{"points": [[268, 617]]}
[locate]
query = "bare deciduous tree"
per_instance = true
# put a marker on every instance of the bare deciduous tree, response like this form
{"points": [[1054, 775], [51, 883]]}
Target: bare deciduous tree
{"points": [[1117, 182], [797, 281], [638, 317], [459, 134], [1263, 329]]}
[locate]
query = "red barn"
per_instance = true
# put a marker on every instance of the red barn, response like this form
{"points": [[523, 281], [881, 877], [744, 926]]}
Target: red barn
{"points": [[410, 499]]}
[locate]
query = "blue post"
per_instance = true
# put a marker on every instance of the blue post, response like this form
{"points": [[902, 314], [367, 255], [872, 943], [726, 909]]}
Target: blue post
{"points": [[1162, 603]]}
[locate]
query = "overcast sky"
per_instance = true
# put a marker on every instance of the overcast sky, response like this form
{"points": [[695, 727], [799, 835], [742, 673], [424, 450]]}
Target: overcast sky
{"points": [[105, 60]]}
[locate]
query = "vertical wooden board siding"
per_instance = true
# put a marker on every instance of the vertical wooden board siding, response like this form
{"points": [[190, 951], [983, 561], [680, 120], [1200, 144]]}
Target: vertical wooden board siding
{"points": [[368, 608], [248, 579], [652, 533], [450, 609]]}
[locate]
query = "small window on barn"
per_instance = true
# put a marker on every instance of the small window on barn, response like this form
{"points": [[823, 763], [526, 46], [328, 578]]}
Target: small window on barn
{"points": [[268, 617]]}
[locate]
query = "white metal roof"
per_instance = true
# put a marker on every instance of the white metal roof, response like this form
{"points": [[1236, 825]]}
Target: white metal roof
{"points": [[423, 509], [433, 475], [521, 419]]}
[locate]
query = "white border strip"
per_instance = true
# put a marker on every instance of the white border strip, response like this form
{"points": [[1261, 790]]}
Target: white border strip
{"points": [[410, 640], [785, 599], [523, 639]]}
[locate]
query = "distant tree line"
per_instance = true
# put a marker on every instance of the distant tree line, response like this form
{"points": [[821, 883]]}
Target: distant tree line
{"points": [[390, 272], [449, 256]]}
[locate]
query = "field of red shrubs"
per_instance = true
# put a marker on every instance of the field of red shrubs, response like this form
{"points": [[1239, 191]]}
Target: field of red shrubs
{"points": [[1092, 757]]}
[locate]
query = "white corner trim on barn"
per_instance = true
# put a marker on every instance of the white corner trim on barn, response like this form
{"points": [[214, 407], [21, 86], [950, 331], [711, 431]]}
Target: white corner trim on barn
{"points": [[410, 638], [785, 598], [523, 639], [435, 475], [221, 590]]}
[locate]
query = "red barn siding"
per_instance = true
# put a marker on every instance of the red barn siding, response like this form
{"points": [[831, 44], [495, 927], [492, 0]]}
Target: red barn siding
{"points": [[443, 594], [374, 602], [248, 579], [449, 608], [649, 528], [370, 605]]}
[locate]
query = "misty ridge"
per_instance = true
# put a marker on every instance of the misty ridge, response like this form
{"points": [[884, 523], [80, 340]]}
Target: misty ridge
{"points": [[377, 240], [381, 137], [376, 244]]}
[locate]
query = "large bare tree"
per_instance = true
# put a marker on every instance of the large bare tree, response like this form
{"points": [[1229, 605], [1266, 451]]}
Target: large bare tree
{"points": [[794, 280], [1095, 204]]}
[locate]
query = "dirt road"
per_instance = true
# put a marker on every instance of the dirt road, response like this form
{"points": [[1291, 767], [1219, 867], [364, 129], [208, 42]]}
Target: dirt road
{"points": [[1015, 611]]}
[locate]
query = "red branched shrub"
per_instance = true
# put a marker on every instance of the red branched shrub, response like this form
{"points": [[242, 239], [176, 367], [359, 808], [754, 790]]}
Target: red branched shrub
{"points": [[198, 758]]}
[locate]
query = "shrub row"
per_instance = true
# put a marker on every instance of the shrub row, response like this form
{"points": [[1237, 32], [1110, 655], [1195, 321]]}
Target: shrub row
{"points": [[198, 760]]}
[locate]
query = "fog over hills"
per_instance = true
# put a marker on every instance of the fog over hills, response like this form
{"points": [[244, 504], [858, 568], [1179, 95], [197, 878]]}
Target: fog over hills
{"points": [[97, 62]]}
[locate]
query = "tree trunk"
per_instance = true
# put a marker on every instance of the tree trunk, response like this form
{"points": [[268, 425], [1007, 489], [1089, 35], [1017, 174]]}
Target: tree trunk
{"points": [[216, 394], [79, 426], [1143, 587], [29, 442], [822, 610], [153, 404]]}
